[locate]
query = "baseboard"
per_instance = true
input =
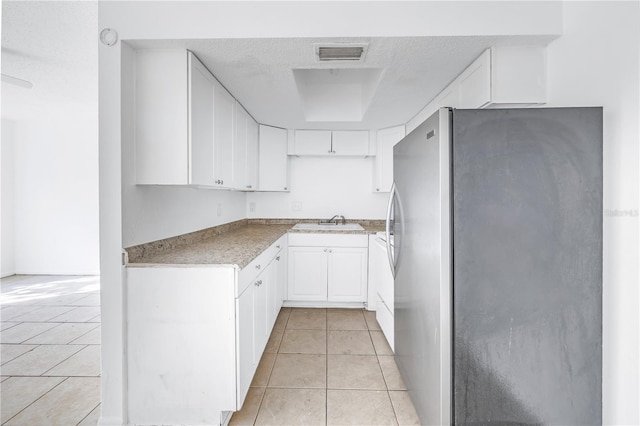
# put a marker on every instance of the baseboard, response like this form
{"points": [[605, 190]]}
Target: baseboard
{"points": [[322, 304]]}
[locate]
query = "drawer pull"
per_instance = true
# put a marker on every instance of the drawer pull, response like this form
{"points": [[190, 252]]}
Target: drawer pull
{"points": [[257, 266], [278, 258], [258, 283]]}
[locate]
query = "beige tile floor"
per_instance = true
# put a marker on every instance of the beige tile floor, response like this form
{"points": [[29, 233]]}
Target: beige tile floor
{"points": [[327, 367], [320, 367], [49, 350]]}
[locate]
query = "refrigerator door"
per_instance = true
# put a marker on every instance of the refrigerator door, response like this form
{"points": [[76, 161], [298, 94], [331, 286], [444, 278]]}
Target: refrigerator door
{"points": [[527, 275], [422, 258]]}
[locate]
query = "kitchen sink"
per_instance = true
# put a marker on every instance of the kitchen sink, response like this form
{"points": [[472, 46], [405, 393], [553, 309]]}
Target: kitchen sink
{"points": [[328, 227]]}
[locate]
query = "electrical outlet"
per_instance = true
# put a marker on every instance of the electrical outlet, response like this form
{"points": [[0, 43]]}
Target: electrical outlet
{"points": [[252, 207], [296, 206], [219, 209]]}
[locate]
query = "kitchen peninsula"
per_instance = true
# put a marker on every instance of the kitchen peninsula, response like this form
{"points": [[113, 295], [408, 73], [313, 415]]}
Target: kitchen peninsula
{"points": [[201, 306]]}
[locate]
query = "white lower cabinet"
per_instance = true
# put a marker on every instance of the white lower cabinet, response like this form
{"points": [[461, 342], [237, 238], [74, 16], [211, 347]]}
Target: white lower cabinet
{"points": [[307, 273], [347, 274], [381, 279], [195, 336], [327, 268], [254, 310]]}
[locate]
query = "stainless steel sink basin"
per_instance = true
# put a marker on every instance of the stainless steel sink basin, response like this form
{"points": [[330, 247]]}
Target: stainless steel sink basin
{"points": [[329, 227]]}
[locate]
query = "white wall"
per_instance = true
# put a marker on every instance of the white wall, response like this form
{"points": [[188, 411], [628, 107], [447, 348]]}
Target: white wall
{"points": [[7, 250], [323, 187], [596, 62], [56, 200]]}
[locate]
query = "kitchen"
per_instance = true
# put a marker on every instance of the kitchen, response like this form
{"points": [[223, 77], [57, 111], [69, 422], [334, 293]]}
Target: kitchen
{"points": [[153, 213]]}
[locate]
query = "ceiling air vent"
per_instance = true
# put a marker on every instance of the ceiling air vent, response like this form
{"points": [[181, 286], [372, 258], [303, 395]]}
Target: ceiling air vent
{"points": [[354, 52]]}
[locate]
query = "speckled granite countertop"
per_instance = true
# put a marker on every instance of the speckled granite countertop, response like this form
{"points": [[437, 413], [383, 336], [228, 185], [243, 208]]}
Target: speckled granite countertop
{"points": [[236, 243]]}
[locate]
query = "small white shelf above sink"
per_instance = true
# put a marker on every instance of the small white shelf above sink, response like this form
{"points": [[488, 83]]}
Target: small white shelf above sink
{"points": [[328, 227]]}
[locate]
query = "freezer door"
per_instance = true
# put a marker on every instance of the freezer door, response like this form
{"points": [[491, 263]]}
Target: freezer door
{"points": [[422, 265], [527, 275]]}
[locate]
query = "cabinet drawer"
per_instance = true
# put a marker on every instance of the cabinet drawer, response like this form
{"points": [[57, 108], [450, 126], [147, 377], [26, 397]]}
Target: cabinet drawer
{"points": [[386, 321], [249, 273], [328, 240]]}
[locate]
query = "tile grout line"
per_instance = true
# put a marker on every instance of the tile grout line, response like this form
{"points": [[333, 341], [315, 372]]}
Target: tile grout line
{"points": [[76, 352], [395, 414], [266, 385], [89, 413], [35, 400], [326, 368], [12, 359], [79, 337]]}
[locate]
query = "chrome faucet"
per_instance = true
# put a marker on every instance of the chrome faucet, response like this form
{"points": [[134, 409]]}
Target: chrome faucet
{"points": [[335, 219]]}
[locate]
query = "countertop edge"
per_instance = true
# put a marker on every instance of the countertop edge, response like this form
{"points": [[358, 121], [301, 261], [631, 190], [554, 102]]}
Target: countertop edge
{"points": [[218, 238]]}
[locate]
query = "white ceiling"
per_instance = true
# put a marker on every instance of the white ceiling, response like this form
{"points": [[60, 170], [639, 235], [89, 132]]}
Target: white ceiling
{"points": [[54, 46], [398, 77], [279, 81]]}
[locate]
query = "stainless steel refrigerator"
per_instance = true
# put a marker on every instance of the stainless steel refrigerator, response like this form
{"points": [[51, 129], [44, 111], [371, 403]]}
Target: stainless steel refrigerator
{"points": [[497, 219]]}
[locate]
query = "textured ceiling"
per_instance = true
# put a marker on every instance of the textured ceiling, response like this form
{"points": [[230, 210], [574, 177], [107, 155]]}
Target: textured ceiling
{"points": [[54, 46], [260, 74]]}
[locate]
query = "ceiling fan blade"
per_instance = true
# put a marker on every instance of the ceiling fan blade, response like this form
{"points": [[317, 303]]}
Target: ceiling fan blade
{"points": [[17, 81]]}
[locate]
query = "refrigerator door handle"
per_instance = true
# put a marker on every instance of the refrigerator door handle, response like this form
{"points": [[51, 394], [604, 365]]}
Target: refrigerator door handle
{"points": [[392, 197], [398, 242]]}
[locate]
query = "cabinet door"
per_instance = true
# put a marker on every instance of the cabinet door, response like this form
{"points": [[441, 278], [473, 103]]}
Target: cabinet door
{"points": [[307, 273], [271, 297], [350, 142], [260, 317], [347, 270], [251, 174], [240, 147], [274, 162], [475, 83], [201, 96], [162, 155], [387, 138], [280, 278], [313, 142], [246, 351], [223, 106]]}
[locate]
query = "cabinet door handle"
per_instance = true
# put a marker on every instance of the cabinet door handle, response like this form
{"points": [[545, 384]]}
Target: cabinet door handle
{"points": [[249, 186], [278, 258], [258, 283], [257, 266], [330, 251]]}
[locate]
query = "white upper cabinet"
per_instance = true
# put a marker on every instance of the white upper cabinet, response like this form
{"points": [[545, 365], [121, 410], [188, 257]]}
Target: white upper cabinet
{"points": [[505, 76], [350, 142], [162, 147], [475, 83], [518, 75], [312, 142], [245, 151], [273, 169], [252, 155], [186, 125], [200, 128], [327, 142], [502, 77], [223, 137], [383, 164]]}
